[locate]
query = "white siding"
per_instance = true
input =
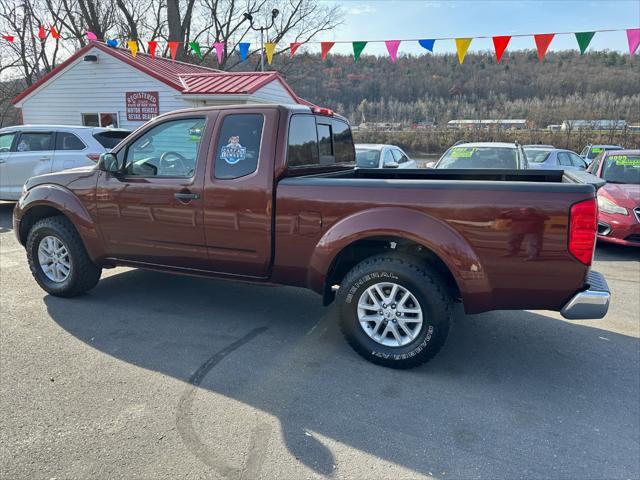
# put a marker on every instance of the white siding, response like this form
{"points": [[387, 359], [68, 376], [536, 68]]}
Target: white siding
{"points": [[86, 87], [272, 92]]}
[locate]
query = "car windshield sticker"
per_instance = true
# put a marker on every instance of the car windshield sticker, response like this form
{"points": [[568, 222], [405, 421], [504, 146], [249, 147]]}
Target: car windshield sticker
{"points": [[195, 134], [625, 160], [596, 150], [461, 152], [233, 152]]}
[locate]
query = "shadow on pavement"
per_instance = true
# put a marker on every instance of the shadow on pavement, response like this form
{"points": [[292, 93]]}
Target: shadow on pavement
{"points": [[612, 252], [6, 216], [514, 393]]}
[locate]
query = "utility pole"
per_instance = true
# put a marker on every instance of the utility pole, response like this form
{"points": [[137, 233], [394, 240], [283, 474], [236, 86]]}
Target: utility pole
{"points": [[274, 13]]}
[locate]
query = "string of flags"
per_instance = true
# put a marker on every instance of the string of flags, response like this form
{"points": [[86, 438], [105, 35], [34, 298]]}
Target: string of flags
{"points": [[500, 43]]}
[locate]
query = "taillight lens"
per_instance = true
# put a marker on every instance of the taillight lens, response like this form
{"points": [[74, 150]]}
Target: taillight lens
{"points": [[583, 225], [93, 157]]}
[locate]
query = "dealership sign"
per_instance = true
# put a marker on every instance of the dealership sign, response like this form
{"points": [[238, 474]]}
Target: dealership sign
{"points": [[142, 106]]}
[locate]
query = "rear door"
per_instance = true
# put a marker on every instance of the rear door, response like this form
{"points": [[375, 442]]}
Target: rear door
{"points": [[33, 156], [70, 152], [6, 144]]}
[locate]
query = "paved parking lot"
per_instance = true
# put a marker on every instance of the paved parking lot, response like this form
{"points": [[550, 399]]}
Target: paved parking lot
{"points": [[159, 376]]}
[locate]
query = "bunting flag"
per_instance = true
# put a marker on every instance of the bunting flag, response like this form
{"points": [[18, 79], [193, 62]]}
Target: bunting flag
{"points": [[294, 46], [427, 44], [269, 48], [133, 46], [462, 45], [392, 48], [219, 48], [54, 33], [112, 43], [584, 39], [542, 43], [152, 45], [173, 49], [244, 50], [500, 44], [42, 33], [324, 48], [91, 36], [8, 38], [633, 37], [195, 47], [357, 49]]}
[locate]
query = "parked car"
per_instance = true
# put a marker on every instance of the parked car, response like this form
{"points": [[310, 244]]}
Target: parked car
{"points": [[484, 155], [619, 199], [541, 145], [374, 155], [592, 151], [29, 150], [269, 193], [554, 159]]}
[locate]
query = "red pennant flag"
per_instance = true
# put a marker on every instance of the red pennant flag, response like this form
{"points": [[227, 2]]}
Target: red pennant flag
{"points": [[152, 48], [42, 33], [8, 38], [54, 32], [500, 44], [173, 48], [542, 42], [325, 47], [294, 46]]}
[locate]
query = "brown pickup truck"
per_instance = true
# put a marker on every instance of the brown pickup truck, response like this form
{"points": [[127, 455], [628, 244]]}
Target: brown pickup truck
{"points": [[270, 194]]}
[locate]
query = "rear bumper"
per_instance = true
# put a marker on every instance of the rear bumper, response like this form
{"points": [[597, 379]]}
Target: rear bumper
{"points": [[592, 303]]}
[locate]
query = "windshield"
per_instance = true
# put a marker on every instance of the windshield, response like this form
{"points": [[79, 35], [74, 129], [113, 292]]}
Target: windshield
{"points": [[595, 151], [367, 158], [622, 169], [536, 156], [479, 157]]}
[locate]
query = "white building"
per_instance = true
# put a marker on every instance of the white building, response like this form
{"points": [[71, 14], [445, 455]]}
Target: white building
{"points": [[594, 125], [104, 86]]}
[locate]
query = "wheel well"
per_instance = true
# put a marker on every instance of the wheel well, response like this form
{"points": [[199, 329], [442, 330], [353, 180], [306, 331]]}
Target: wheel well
{"points": [[357, 251], [32, 216]]}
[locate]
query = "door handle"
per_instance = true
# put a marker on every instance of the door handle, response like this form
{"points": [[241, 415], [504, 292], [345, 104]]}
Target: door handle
{"points": [[186, 196], [42, 159]]}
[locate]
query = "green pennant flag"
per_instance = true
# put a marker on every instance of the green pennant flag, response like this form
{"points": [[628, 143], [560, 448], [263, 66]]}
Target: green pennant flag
{"points": [[584, 38], [195, 46], [357, 49]]}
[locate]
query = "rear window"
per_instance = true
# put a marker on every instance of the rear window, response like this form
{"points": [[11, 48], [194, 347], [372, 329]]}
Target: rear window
{"points": [[317, 141], [536, 156], [110, 139], [479, 157]]}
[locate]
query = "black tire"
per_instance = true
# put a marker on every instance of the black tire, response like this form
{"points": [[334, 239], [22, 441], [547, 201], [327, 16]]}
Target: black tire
{"points": [[427, 287], [83, 275]]}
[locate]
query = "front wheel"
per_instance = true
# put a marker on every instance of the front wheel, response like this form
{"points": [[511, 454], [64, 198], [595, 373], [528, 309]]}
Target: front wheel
{"points": [[394, 310], [58, 260]]}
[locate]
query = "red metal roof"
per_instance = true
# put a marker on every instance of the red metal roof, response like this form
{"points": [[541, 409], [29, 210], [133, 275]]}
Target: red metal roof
{"points": [[229, 83]]}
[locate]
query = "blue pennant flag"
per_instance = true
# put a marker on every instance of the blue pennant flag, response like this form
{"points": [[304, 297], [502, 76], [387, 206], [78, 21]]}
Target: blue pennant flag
{"points": [[428, 44], [244, 49], [112, 43]]}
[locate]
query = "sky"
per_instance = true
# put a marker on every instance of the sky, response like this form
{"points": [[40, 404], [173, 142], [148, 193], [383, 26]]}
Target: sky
{"points": [[397, 20]]}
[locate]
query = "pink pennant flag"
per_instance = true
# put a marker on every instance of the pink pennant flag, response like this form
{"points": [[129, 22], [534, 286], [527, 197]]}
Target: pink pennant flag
{"points": [[91, 36], [219, 46], [392, 48], [633, 36]]}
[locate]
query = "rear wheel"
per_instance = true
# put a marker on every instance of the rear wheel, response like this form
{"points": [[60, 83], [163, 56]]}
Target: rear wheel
{"points": [[58, 260], [394, 311]]}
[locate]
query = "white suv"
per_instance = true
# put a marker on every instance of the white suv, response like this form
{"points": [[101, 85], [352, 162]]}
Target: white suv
{"points": [[30, 150]]}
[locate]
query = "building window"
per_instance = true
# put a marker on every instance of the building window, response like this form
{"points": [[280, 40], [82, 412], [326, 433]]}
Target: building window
{"points": [[100, 120]]}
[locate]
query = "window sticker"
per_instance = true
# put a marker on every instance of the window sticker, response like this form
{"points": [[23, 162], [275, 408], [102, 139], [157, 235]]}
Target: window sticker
{"points": [[623, 160], [195, 134], [462, 152], [233, 152], [596, 150]]}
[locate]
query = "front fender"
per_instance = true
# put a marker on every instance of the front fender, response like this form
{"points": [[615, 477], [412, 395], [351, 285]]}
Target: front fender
{"points": [[67, 203], [435, 235]]}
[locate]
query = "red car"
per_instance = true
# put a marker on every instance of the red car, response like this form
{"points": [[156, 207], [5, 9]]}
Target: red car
{"points": [[619, 199]]}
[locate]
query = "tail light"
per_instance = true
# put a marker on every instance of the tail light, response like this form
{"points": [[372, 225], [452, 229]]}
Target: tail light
{"points": [[583, 225], [93, 157], [323, 111]]}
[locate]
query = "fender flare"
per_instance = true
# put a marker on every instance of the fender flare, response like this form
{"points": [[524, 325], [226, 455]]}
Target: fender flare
{"points": [[445, 242]]}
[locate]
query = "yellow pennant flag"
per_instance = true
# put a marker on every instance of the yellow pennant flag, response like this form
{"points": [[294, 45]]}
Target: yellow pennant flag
{"points": [[133, 46], [462, 45], [269, 48]]}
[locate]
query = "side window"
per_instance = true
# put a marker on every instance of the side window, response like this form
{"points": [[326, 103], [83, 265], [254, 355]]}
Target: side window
{"points": [[6, 140], [35, 142], [563, 159], [238, 147], [399, 156], [68, 141], [577, 161], [343, 142], [388, 157], [303, 141], [325, 144], [166, 150]]}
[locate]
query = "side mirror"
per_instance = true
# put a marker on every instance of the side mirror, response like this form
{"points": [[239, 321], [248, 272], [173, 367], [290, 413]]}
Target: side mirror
{"points": [[109, 163], [391, 165]]}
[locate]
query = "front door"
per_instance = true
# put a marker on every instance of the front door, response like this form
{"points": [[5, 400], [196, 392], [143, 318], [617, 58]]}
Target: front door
{"points": [[152, 211], [32, 156]]}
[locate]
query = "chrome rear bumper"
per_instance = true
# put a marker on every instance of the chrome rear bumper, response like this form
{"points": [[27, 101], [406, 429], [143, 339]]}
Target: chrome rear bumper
{"points": [[592, 303]]}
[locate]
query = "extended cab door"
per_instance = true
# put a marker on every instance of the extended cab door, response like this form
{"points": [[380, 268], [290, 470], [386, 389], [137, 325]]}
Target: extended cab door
{"points": [[151, 212], [238, 192]]}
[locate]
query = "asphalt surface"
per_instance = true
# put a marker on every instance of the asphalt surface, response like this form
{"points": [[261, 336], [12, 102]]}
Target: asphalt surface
{"points": [[159, 376]]}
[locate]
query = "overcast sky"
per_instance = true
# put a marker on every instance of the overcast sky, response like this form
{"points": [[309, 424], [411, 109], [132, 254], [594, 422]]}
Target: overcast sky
{"points": [[396, 20]]}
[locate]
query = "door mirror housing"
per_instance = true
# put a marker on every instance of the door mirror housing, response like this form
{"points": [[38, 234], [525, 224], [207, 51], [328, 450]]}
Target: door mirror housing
{"points": [[391, 165], [109, 163]]}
